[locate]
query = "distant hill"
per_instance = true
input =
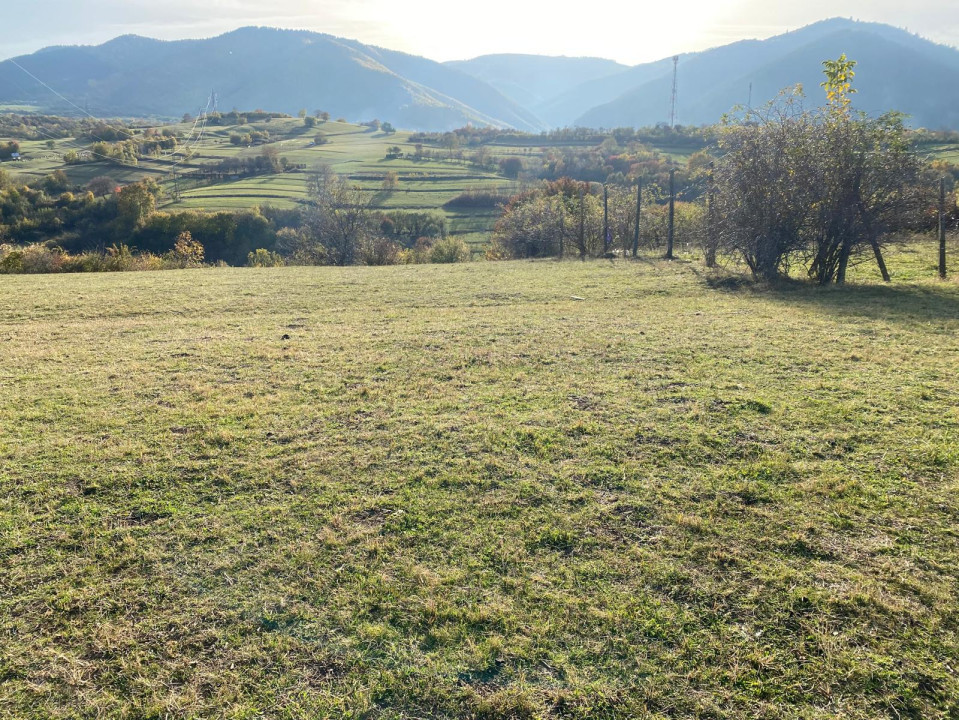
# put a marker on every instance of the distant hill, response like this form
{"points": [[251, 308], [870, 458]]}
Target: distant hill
{"points": [[534, 81], [285, 70], [896, 71], [281, 70], [567, 107]]}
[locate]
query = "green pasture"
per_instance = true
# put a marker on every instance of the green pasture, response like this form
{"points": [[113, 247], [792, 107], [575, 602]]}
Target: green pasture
{"points": [[630, 489], [947, 152], [14, 108]]}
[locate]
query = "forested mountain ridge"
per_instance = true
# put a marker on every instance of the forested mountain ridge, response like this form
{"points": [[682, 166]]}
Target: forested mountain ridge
{"points": [[896, 71], [289, 70], [535, 81], [284, 70]]}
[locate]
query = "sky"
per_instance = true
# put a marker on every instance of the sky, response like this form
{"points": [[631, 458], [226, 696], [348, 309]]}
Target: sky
{"points": [[629, 32]]}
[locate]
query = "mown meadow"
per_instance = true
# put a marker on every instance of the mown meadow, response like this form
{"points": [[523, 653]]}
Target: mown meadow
{"points": [[491, 490]]}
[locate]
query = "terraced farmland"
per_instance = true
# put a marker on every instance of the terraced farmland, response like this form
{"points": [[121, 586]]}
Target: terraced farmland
{"points": [[353, 150], [423, 183]]}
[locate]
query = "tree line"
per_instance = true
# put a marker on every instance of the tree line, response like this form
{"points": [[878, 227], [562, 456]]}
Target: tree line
{"points": [[338, 224]]}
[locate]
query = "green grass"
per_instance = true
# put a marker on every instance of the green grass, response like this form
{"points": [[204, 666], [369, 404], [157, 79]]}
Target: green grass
{"points": [[942, 151], [13, 108], [454, 491]]}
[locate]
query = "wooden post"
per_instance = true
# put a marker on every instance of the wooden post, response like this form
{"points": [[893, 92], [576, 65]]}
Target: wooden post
{"points": [[711, 241], [639, 210], [605, 219], [562, 241], [672, 215], [942, 228], [582, 223], [560, 233]]}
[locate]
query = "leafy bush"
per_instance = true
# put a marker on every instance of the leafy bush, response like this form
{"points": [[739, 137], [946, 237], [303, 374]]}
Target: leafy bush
{"points": [[120, 258], [33, 259], [11, 260], [380, 251], [40, 258], [419, 253], [186, 252], [264, 258], [450, 250], [561, 218]]}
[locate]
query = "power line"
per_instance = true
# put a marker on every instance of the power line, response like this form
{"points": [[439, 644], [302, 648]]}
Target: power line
{"points": [[83, 149], [66, 100], [204, 113], [206, 117], [190, 148]]}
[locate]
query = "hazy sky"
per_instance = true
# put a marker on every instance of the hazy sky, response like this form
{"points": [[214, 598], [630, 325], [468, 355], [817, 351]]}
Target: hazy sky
{"points": [[630, 32]]}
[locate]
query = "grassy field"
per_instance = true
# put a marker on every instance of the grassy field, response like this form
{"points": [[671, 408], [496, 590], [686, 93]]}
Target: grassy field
{"points": [[457, 491], [947, 152]]}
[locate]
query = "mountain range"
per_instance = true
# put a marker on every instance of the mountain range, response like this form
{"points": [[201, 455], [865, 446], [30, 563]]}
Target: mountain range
{"points": [[286, 70]]}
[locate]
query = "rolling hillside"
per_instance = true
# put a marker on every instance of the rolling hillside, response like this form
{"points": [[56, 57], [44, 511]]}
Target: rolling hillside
{"points": [[259, 67], [896, 71], [288, 70], [426, 184], [535, 81]]}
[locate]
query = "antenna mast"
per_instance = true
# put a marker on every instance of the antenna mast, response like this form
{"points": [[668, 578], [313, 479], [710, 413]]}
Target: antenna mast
{"points": [[672, 104]]}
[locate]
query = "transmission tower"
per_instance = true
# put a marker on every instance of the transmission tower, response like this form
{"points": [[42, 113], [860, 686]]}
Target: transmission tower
{"points": [[672, 104]]}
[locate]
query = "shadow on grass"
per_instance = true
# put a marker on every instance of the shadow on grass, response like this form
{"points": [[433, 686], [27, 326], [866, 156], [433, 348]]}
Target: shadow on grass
{"points": [[380, 197], [896, 302]]}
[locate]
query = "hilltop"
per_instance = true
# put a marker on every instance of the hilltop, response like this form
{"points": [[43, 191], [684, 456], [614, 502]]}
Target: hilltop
{"points": [[288, 70], [285, 70], [896, 71]]}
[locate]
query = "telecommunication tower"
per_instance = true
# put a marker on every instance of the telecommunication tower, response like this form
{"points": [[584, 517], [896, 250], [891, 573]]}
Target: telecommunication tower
{"points": [[672, 104]]}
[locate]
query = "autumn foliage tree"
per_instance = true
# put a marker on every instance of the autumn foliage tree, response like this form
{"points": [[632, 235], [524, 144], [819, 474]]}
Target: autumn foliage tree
{"points": [[561, 218], [814, 187], [187, 252], [340, 219], [136, 203], [867, 180]]}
